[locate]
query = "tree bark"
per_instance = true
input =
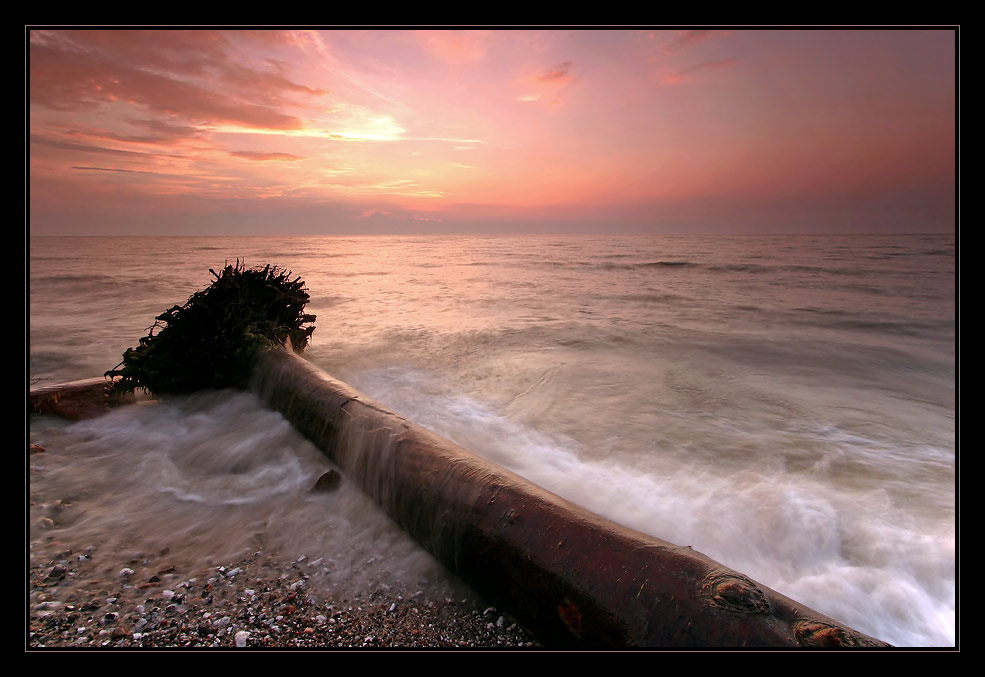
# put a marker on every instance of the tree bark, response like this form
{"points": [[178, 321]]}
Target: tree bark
{"points": [[75, 400]]}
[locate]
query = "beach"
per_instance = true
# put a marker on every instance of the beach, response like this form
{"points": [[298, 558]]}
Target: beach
{"points": [[114, 597]]}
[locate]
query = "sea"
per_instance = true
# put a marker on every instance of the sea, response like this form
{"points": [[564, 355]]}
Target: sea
{"points": [[782, 404]]}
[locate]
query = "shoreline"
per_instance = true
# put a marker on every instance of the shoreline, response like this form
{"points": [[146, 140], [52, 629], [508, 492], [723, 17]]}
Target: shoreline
{"points": [[110, 590]]}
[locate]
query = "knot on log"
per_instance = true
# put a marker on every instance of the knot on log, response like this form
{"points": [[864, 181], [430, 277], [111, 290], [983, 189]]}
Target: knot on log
{"points": [[817, 633], [731, 591]]}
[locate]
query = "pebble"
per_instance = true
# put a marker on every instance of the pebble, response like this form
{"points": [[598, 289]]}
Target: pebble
{"points": [[253, 607]]}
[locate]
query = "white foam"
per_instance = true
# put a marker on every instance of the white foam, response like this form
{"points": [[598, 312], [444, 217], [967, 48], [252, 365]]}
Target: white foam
{"points": [[845, 549]]}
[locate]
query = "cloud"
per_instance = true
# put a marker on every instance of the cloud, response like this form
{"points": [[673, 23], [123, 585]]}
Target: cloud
{"points": [[455, 47], [192, 75], [560, 73], [690, 37], [685, 40], [160, 133], [112, 169], [548, 84], [85, 147], [687, 72], [263, 156]]}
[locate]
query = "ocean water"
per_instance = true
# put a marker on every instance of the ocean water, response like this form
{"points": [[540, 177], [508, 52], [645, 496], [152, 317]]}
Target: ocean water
{"points": [[783, 404]]}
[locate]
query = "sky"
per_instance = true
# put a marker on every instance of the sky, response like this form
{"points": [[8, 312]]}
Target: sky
{"points": [[306, 132]]}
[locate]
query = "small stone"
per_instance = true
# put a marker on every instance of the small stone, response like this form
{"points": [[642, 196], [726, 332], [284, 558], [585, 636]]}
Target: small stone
{"points": [[126, 571], [329, 481], [241, 638], [56, 573]]}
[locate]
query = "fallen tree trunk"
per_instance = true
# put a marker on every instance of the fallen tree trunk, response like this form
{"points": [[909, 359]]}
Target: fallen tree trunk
{"points": [[571, 577], [76, 400]]}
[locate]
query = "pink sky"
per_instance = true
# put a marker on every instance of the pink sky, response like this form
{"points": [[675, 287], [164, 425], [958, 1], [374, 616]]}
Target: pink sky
{"points": [[406, 131]]}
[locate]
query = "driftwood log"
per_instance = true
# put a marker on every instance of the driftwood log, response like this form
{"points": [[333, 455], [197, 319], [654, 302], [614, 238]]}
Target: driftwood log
{"points": [[76, 400], [571, 577]]}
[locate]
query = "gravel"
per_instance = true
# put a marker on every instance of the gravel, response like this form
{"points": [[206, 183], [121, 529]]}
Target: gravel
{"points": [[261, 601]]}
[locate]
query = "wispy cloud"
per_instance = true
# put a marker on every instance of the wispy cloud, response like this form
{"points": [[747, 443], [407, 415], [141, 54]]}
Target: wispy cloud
{"points": [[547, 85], [190, 75], [680, 76], [559, 74], [62, 144], [264, 156], [673, 43], [690, 37], [113, 169], [455, 47]]}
